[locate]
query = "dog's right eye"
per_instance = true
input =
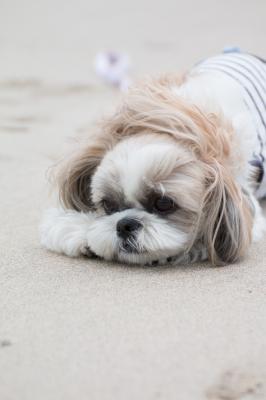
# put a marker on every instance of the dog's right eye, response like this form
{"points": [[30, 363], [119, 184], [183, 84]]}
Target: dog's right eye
{"points": [[109, 206], [164, 205]]}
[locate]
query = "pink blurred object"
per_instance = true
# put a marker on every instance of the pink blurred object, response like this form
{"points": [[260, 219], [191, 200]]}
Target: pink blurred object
{"points": [[113, 68]]}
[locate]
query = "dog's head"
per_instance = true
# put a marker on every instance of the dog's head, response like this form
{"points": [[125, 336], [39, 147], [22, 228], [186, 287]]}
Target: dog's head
{"points": [[160, 177]]}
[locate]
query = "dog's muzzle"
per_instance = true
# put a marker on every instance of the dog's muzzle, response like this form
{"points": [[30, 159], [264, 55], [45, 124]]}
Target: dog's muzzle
{"points": [[126, 230]]}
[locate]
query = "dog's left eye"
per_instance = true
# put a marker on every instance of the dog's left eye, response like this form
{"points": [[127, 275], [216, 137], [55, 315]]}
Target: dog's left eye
{"points": [[164, 205], [110, 207]]}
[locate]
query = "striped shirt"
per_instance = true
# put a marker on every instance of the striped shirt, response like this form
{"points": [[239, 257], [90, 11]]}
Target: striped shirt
{"points": [[248, 71]]}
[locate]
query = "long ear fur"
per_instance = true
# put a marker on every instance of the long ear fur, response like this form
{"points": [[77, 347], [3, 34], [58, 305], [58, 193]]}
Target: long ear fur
{"points": [[227, 220], [75, 172]]}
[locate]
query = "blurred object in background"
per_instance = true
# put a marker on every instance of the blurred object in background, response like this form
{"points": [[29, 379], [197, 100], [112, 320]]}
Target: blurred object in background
{"points": [[231, 49], [113, 68]]}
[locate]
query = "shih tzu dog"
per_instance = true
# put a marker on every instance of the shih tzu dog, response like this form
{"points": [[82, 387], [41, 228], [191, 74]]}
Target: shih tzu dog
{"points": [[174, 175]]}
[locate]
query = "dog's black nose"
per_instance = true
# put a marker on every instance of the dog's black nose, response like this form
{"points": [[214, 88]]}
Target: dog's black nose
{"points": [[126, 227]]}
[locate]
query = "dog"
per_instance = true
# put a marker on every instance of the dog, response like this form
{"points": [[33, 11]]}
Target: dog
{"points": [[174, 176]]}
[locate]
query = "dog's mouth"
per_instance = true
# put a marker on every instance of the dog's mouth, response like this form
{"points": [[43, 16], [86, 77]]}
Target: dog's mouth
{"points": [[129, 246]]}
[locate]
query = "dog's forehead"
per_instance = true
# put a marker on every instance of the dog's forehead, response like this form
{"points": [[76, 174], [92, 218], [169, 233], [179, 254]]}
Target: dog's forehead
{"points": [[135, 164]]}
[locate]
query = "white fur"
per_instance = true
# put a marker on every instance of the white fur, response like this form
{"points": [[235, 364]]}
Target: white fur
{"points": [[65, 231], [74, 233], [214, 92], [127, 167]]}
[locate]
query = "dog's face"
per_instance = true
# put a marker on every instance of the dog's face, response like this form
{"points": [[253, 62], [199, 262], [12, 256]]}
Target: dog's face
{"points": [[160, 178], [147, 192]]}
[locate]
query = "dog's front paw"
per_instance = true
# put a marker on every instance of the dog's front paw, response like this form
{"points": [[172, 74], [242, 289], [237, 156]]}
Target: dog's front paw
{"points": [[171, 260], [65, 232], [196, 254]]}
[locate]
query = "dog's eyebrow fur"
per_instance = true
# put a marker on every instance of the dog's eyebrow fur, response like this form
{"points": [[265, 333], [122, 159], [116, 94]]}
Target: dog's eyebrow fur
{"points": [[115, 195], [149, 193], [109, 193]]}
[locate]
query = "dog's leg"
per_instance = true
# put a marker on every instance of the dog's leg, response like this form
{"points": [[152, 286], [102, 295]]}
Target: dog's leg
{"points": [[259, 225], [65, 231], [196, 254]]}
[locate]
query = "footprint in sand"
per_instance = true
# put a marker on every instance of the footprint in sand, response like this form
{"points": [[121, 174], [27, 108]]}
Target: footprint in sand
{"points": [[234, 385]]}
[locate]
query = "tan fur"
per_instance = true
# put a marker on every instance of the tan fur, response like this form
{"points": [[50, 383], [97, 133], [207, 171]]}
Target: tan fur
{"points": [[74, 174], [224, 220]]}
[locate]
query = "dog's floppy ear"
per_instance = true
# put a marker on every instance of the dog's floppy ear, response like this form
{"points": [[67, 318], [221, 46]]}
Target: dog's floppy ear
{"points": [[75, 172], [228, 218]]}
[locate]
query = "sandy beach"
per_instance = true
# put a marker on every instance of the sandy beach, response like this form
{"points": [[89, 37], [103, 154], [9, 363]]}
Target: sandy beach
{"points": [[84, 329]]}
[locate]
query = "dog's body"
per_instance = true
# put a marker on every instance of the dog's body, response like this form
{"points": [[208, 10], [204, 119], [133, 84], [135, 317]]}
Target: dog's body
{"points": [[173, 176]]}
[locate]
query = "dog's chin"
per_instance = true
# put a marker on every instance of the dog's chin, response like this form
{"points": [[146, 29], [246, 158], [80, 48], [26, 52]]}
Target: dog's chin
{"points": [[132, 256], [129, 255], [144, 257]]}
